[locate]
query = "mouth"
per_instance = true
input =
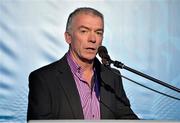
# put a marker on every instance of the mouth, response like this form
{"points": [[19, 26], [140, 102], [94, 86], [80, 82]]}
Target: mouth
{"points": [[90, 49]]}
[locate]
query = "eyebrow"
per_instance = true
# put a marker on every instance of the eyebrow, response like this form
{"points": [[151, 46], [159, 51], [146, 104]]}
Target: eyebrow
{"points": [[90, 29]]}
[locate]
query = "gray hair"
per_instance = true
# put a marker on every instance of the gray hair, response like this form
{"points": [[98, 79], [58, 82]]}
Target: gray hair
{"points": [[86, 10]]}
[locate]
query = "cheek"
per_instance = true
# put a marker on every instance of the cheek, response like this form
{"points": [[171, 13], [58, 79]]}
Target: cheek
{"points": [[99, 41], [79, 42], [77, 45]]}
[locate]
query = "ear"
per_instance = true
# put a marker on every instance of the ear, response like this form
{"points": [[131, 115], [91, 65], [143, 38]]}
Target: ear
{"points": [[68, 38]]}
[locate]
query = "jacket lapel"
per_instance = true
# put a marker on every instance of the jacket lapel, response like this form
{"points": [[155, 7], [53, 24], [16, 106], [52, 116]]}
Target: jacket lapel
{"points": [[106, 104], [66, 80]]}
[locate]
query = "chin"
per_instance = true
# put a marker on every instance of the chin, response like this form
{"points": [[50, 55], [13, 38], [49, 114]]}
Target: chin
{"points": [[89, 58]]}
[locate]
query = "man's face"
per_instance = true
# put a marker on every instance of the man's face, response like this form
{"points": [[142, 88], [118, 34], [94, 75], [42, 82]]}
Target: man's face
{"points": [[85, 36]]}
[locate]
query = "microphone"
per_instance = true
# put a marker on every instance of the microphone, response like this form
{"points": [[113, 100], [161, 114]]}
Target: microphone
{"points": [[103, 53], [106, 60]]}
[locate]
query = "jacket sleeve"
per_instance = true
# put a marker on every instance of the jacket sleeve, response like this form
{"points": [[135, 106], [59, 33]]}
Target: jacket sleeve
{"points": [[123, 108], [38, 98]]}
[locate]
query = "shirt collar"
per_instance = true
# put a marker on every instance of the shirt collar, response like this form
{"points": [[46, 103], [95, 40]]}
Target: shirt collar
{"points": [[76, 69]]}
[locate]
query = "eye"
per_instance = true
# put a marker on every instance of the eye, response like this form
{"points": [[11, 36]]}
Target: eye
{"points": [[83, 31], [99, 33]]}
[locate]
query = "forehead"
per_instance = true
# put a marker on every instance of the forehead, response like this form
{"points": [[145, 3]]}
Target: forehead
{"points": [[88, 19]]}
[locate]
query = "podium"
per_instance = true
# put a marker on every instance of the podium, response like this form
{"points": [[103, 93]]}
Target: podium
{"points": [[102, 121]]}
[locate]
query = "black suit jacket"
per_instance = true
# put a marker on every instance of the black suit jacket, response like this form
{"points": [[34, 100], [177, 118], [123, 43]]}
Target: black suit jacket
{"points": [[53, 94]]}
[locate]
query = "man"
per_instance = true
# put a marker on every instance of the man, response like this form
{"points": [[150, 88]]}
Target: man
{"points": [[78, 86]]}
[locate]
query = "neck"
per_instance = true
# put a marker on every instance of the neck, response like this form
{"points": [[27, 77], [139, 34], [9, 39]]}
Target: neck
{"points": [[86, 65]]}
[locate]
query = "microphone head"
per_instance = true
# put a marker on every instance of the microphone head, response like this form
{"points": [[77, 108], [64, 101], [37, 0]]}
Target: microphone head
{"points": [[103, 53]]}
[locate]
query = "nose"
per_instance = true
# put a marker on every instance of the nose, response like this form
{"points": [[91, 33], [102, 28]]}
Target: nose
{"points": [[92, 37]]}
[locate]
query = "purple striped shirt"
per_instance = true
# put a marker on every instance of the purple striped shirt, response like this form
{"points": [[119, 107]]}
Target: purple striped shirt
{"points": [[89, 95]]}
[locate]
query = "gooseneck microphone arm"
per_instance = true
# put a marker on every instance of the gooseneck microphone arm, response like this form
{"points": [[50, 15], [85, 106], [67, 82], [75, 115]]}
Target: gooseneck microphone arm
{"points": [[102, 51], [122, 66]]}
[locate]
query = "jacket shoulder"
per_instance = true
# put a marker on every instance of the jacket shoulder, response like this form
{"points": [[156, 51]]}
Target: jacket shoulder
{"points": [[50, 68]]}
